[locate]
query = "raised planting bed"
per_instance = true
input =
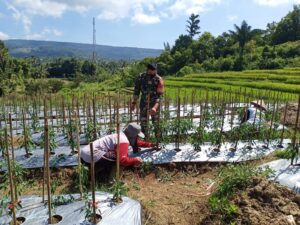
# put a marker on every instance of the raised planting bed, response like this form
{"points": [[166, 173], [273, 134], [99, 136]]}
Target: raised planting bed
{"points": [[35, 212]]}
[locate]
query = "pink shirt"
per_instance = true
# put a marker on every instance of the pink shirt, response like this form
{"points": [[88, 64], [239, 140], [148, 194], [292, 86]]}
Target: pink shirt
{"points": [[102, 146]]}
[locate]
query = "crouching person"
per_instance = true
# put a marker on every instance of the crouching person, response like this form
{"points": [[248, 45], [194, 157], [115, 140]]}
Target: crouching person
{"points": [[105, 150]]}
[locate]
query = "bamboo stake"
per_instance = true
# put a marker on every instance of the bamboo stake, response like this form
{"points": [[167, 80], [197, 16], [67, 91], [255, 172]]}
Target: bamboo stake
{"points": [[283, 128], [47, 166], [70, 133], [25, 134], [79, 154], [64, 115], [93, 182], [11, 182], [272, 120], [147, 115], [110, 116], [13, 154], [177, 148], [118, 143], [94, 118], [296, 129]]}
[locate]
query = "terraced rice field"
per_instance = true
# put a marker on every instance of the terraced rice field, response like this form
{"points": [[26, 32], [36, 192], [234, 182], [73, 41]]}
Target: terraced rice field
{"points": [[257, 82]]}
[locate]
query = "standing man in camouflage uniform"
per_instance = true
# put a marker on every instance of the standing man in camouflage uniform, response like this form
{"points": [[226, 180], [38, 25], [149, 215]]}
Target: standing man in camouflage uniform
{"points": [[150, 84]]}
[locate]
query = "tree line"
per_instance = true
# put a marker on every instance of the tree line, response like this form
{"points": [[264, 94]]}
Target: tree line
{"points": [[241, 48]]}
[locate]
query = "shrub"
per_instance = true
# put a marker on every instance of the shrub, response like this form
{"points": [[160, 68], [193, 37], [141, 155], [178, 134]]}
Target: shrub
{"points": [[184, 71], [232, 178]]}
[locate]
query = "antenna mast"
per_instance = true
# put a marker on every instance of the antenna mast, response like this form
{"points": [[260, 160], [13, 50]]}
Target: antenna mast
{"points": [[94, 40]]}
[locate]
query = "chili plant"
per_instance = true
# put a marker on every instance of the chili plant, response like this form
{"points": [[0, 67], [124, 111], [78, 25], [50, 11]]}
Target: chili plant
{"points": [[35, 123], [88, 208], [71, 132], [89, 130], [52, 141], [27, 143], [118, 189]]}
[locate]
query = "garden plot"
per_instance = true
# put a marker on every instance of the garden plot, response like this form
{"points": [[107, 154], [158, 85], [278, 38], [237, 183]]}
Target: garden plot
{"points": [[207, 154], [35, 212], [285, 173], [62, 158]]}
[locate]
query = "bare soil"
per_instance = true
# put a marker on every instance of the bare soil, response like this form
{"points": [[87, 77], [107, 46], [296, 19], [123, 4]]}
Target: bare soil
{"points": [[177, 194], [263, 203], [291, 114]]}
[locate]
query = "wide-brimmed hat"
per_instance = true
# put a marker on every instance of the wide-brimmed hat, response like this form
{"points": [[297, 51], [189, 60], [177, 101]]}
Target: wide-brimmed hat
{"points": [[259, 104], [134, 130]]}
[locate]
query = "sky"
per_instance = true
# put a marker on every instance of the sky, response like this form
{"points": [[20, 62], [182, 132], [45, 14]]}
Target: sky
{"points": [[132, 23]]}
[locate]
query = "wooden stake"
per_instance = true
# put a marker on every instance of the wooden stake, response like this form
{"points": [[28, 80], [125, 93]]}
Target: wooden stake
{"points": [[94, 118], [148, 114], [93, 182], [178, 119], [118, 143], [296, 129], [46, 152], [25, 134], [79, 154], [283, 128], [13, 154], [11, 181]]}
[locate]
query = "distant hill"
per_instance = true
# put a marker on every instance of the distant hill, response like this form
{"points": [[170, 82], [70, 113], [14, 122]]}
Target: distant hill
{"points": [[28, 48]]}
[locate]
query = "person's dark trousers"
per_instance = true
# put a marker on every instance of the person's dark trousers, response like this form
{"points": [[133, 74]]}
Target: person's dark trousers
{"points": [[103, 169], [143, 118]]}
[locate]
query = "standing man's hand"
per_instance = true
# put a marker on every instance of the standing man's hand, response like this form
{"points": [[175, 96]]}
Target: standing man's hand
{"points": [[153, 111], [133, 106]]}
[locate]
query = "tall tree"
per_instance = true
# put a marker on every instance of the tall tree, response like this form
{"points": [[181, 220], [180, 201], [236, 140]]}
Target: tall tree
{"points": [[242, 34], [193, 27], [288, 29]]}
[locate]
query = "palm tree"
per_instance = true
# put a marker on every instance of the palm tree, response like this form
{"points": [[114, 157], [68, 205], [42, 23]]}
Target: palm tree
{"points": [[193, 27], [242, 34]]}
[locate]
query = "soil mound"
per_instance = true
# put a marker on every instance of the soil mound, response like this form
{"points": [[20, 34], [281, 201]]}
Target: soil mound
{"points": [[263, 203]]}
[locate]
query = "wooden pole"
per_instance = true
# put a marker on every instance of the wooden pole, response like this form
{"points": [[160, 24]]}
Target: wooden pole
{"points": [[296, 129], [25, 134], [11, 181], [283, 128], [47, 166], [94, 118], [147, 121], [118, 142], [177, 148], [79, 155], [271, 126], [13, 154], [93, 182]]}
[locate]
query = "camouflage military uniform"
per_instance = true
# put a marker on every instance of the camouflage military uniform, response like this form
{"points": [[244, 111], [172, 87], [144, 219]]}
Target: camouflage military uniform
{"points": [[151, 86]]}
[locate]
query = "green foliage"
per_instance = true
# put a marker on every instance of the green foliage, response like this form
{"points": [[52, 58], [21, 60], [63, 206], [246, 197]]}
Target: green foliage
{"points": [[27, 140], [52, 141], [288, 29], [193, 25], [71, 132], [118, 189], [89, 130], [62, 200], [146, 168], [289, 153], [230, 179]]}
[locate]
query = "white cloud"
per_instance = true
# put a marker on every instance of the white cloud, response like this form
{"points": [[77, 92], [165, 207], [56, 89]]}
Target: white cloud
{"points": [[44, 34], [274, 3], [232, 18], [138, 11], [187, 7], [142, 18], [3, 36]]}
